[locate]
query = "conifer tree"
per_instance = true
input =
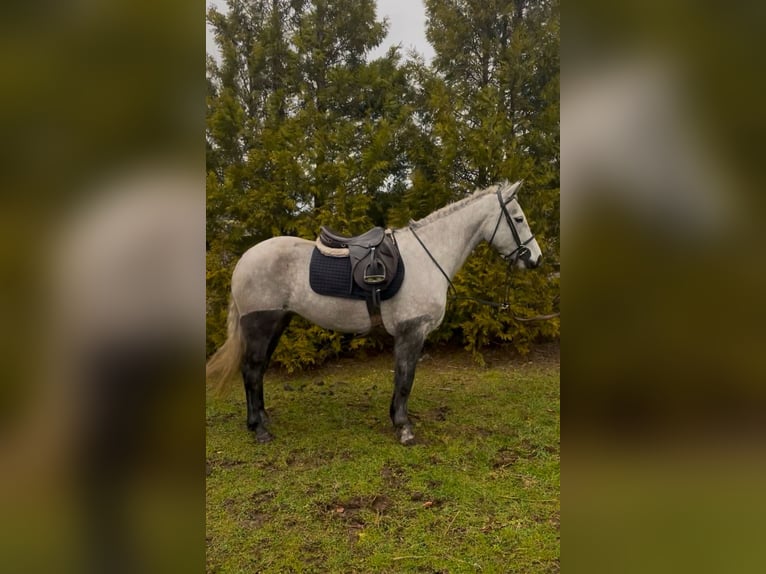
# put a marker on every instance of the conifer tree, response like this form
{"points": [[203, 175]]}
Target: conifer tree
{"points": [[302, 130], [498, 60]]}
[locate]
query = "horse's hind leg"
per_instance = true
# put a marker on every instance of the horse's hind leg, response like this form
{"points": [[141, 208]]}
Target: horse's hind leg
{"points": [[407, 348], [261, 330]]}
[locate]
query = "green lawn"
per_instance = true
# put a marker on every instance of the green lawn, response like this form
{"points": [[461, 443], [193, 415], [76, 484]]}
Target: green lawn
{"points": [[335, 492]]}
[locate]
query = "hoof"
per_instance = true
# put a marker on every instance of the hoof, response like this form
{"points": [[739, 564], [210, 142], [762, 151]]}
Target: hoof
{"points": [[263, 436], [406, 437]]}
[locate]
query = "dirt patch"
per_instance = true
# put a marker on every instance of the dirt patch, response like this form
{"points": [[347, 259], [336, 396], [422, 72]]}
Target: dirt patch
{"points": [[555, 520], [351, 510], [394, 476], [438, 413], [508, 455], [381, 504], [354, 532], [262, 496], [431, 502], [436, 459], [356, 512], [251, 513], [254, 519], [211, 464], [426, 499], [312, 556]]}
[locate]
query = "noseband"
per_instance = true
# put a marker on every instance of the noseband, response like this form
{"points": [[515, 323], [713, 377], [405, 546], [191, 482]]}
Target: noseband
{"points": [[522, 251]]}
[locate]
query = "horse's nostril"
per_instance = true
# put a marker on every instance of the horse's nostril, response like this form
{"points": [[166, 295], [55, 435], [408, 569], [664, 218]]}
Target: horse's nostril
{"points": [[537, 261]]}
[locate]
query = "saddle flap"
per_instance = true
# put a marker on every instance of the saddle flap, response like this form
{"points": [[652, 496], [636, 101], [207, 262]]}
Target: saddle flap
{"points": [[376, 266]]}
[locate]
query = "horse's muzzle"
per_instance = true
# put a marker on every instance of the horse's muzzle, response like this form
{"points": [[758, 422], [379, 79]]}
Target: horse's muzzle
{"points": [[529, 263], [525, 256]]}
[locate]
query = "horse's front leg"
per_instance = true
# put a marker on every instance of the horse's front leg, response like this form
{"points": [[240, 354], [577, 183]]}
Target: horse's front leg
{"points": [[407, 349]]}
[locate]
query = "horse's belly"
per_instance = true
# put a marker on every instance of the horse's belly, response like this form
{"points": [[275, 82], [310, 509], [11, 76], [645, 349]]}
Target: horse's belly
{"points": [[335, 313]]}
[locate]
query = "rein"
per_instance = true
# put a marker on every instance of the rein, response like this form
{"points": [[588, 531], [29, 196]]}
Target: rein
{"points": [[439, 267]]}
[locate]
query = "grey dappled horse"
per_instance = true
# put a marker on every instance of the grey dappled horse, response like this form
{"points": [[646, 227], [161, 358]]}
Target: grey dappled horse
{"points": [[270, 283]]}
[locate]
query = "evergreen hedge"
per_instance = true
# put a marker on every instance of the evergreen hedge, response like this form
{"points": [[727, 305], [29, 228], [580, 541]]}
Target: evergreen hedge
{"points": [[303, 130]]}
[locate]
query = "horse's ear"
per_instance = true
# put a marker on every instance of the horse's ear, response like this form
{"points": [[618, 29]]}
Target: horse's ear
{"points": [[510, 189]]}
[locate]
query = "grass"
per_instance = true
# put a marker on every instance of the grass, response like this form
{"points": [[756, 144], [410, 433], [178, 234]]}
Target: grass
{"points": [[335, 492]]}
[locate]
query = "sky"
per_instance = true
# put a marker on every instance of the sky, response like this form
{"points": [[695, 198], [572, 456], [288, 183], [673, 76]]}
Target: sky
{"points": [[407, 26]]}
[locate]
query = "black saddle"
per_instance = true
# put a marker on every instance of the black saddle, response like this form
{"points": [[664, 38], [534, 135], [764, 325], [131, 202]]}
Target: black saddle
{"points": [[374, 257], [376, 268], [369, 238]]}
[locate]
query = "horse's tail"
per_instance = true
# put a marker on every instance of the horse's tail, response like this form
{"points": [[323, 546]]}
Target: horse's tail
{"points": [[227, 359]]}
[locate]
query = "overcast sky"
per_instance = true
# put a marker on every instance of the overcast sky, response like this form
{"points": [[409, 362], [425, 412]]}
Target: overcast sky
{"points": [[406, 26]]}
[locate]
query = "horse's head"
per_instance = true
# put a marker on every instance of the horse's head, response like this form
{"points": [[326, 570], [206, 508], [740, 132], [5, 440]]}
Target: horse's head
{"points": [[510, 234]]}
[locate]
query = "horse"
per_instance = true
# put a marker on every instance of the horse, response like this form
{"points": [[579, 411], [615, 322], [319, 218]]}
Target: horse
{"points": [[270, 284]]}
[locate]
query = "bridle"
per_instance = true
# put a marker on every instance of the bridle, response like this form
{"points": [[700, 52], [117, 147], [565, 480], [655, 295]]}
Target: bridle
{"points": [[522, 251]]}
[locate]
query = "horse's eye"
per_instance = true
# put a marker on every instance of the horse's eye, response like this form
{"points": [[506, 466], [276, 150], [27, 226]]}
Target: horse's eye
{"points": [[518, 219]]}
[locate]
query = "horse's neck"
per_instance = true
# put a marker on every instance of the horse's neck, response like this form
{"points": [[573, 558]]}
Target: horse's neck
{"points": [[452, 238]]}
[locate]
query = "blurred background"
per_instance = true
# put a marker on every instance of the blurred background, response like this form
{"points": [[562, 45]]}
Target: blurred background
{"points": [[662, 205], [102, 286]]}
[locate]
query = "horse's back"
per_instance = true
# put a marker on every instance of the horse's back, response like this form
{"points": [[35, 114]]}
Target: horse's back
{"points": [[273, 257], [269, 270], [283, 248]]}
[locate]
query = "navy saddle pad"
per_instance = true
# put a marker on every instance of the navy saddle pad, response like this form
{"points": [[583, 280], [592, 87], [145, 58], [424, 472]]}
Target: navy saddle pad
{"points": [[332, 276]]}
